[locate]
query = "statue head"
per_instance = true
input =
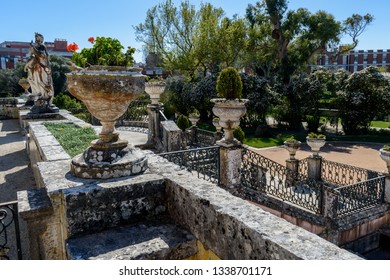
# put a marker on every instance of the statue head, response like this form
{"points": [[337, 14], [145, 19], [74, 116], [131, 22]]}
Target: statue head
{"points": [[38, 37]]}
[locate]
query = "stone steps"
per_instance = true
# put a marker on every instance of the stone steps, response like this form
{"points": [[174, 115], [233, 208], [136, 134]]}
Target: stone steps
{"points": [[142, 241]]}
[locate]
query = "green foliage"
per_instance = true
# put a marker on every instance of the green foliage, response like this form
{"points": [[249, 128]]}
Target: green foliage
{"points": [[229, 84], [291, 140], [72, 138], [316, 136], [198, 94], [260, 97], [105, 51], [173, 99], [64, 101], [313, 122], [239, 134], [183, 123], [192, 41], [300, 98], [386, 148], [9, 79], [59, 67], [363, 95]]}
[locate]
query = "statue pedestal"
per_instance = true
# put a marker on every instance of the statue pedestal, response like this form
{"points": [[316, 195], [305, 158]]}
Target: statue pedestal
{"points": [[41, 106]]}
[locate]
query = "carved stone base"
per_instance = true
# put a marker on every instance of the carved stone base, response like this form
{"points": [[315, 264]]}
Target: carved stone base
{"points": [[109, 163], [41, 106]]}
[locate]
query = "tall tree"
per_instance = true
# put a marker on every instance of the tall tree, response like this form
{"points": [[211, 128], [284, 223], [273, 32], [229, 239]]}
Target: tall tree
{"points": [[299, 35], [192, 41], [363, 96]]}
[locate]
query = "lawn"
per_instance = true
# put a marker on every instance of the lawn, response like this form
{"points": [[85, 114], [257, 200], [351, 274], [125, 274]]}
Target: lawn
{"points": [[380, 124], [72, 138]]}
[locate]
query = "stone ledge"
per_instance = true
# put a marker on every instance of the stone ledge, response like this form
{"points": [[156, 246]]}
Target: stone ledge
{"points": [[234, 228], [134, 242], [34, 204], [47, 145]]}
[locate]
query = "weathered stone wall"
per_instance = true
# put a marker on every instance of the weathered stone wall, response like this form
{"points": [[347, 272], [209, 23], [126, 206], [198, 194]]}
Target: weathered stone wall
{"points": [[9, 108], [233, 228]]}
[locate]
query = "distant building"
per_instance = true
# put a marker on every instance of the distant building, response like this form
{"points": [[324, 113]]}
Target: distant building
{"points": [[13, 52], [357, 60]]}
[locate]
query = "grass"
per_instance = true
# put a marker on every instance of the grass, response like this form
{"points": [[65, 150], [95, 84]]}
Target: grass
{"points": [[266, 142], [72, 138], [380, 124]]}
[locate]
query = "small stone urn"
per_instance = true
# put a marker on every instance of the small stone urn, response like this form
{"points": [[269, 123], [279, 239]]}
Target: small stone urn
{"points": [[107, 92], [229, 113], [26, 85], [154, 89], [315, 142], [292, 146], [385, 155]]}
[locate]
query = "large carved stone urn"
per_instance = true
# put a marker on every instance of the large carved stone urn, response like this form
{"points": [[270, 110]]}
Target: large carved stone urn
{"points": [[229, 112], [154, 89], [107, 93]]}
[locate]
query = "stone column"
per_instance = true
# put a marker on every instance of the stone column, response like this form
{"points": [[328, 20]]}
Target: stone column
{"points": [[387, 188], [330, 202], [314, 167], [385, 155], [293, 165], [44, 219], [154, 122], [230, 156], [171, 138]]}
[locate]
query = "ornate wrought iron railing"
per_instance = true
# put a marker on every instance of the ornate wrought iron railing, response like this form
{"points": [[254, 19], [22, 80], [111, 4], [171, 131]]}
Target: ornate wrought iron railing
{"points": [[360, 196], [136, 112], [204, 161], [9, 227], [204, 138], [343, 174], [262, 176], [303, 167]]}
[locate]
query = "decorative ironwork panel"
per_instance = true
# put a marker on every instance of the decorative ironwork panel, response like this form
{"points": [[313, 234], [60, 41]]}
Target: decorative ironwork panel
{"points": [[204, 161], [343, 174], [136, 112], [264, 176], [303, 167], [204, 138], [9, 231], [357, 197]]}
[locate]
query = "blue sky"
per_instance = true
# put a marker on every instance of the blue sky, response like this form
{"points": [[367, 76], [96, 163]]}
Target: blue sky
{"points": [[76, 21]]}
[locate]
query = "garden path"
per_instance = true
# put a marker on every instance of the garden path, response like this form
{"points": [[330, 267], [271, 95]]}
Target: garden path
{"points": [[364, 155]]}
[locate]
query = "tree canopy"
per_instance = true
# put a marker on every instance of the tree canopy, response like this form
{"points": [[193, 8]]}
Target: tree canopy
{"points": [[192, 41]]}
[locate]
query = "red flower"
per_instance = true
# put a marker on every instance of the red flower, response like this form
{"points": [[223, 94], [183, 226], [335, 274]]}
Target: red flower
{"points": [[91, 39], [72, 47]]}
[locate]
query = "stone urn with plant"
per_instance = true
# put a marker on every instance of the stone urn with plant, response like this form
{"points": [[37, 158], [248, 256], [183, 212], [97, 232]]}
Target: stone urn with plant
{"points": [[104, 82], [229, 107], [292, 145], [385, 155], [194, 116], [154, 87], [315, 142]]}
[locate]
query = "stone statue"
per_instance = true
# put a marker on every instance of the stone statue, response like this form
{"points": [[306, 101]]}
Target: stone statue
{"points": [[39, 73]]}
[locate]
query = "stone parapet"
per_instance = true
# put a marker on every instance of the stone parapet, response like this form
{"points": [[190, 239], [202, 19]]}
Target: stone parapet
{"points": [[234, 228]]}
